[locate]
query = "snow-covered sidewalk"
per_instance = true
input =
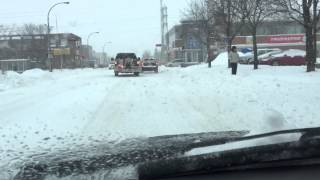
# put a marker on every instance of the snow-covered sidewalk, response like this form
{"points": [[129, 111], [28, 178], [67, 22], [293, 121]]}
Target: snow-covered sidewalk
{"points": [[42, 111]]}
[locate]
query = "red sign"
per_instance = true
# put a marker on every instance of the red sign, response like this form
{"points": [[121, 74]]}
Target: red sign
{"points": [[294, 38]]}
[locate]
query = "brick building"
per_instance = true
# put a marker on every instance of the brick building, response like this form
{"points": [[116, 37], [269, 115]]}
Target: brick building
{"points": [[65, 48]]}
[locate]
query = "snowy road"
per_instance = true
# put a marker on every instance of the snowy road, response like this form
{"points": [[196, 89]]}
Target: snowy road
{"points": [[42, 111]]}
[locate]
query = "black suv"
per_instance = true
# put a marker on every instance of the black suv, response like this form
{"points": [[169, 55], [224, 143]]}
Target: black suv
{"points": [[150, 65]]}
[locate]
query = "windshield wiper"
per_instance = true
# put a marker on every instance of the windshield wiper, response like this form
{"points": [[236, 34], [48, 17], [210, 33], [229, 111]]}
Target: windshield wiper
{"points": [[303, 151], [305, 132]]}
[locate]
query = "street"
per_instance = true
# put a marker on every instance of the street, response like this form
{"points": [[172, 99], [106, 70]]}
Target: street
{"points": [[44, 112]]}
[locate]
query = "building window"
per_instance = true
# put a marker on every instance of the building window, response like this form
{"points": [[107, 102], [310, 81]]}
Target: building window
{"points": [[64, 42], [27, 37], [53, 43], [16, 37], [38, 37]]}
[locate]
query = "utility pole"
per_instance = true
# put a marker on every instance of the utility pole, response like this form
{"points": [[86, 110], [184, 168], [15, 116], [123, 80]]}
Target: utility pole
{"points": [[164, 31], [104, 55], [50, 55]]}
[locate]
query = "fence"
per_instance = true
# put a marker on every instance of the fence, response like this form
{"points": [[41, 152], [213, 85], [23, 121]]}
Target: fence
{"points": [[17, 65]]}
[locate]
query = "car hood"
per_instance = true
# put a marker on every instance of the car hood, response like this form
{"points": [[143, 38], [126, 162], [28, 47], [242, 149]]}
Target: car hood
{"points": [[110, 156], [166, 155]]}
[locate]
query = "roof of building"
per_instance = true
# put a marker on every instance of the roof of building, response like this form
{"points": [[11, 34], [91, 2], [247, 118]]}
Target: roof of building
{"points": [[25, 35]]}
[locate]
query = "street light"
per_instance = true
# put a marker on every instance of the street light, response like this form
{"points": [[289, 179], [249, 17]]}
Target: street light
{"points": [[89, 54], [103, 52], [90, 36], [48, 32], [105, 44]]}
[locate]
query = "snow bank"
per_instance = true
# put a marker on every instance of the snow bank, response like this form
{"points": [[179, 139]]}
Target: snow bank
{"points": [[9, 80], [221, 59], [15, 80], [35, 73]]}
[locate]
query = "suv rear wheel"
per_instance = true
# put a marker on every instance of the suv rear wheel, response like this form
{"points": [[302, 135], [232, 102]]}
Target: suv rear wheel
{"points": [[136, 73], [116, 73]]}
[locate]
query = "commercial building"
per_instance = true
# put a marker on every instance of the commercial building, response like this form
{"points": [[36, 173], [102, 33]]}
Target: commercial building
{"points": [[185, 42], [65, 49]]}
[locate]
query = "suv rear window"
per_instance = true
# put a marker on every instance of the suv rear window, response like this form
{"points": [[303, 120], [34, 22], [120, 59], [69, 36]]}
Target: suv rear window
{"points": [[126, 55], [150, 60]]}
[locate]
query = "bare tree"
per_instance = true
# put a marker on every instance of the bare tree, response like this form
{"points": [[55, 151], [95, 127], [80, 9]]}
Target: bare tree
{"points": [[199, 12], [10, 29], [30, 29], [306, 13], [146, 54], [219, 21], [156, 54], [256, 12], [228, 21]]}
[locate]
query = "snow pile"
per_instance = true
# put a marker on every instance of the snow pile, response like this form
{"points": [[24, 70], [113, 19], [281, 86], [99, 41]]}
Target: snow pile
{"points": [[9, 80], [35, 73], [291, 53], [14, 80], [221, 59]]}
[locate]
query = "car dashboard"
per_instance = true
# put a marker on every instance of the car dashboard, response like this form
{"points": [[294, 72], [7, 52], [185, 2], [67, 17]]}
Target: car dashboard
{"points": [[283, 173]]}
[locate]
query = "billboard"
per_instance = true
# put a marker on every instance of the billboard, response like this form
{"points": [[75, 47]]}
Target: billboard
{"points": [[61, 51], [294, 38]]}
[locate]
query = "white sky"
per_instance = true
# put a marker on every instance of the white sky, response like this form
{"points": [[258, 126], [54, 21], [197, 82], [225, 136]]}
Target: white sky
{"points": [[131, 25]]}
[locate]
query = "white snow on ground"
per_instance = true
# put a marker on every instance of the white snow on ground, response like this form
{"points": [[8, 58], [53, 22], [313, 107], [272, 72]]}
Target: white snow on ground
{"points": [[221, 60], [42, 111]]}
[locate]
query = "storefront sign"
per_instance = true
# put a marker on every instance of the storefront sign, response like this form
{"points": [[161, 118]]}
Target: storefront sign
{"points": [[295, 38], [61, 51]]}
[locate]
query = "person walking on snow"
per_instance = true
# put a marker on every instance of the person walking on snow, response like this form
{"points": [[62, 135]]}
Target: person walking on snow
{"points": [[234, 59]]}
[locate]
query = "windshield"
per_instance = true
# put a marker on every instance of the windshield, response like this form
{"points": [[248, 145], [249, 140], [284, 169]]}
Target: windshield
{"points": [[87, 80]]}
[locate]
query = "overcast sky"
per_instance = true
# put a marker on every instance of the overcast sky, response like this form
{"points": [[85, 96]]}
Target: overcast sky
{"points": [[131, 25]]}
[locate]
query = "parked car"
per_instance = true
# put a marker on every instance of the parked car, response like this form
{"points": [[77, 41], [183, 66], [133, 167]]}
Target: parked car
{"points": [[318, 63], [292, 57], [247, 58], [175, 63], [265, 56], [127, 63], [150, 65], [269, 54], [111, 66], [285, 61], [187, 64]]}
